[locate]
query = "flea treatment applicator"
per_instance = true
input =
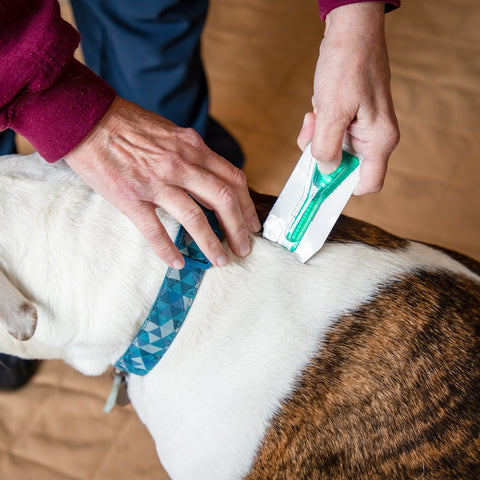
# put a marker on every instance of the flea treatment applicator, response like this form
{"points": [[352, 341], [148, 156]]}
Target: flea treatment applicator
{"points": [[310, 204]]}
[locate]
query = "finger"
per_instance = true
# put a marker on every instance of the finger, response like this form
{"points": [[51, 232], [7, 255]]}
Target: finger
{"points": [[143, 215], [327, 140], [307, 131], [372, 175], [237, 179], [373, 168], [219, 167], [245, 202], [229, 214], [187, 212], [222, 187], [197, 166], [376, 154], [214, 193]]}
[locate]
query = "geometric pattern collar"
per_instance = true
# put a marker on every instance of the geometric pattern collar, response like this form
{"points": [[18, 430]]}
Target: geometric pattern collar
{"points": [[170, 308]]}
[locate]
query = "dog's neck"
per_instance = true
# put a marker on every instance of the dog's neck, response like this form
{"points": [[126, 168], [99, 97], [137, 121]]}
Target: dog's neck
{"points": [[46, 224]]}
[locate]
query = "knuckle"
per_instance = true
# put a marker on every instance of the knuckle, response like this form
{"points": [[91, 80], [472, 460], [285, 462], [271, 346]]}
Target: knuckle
{"points": [[212, 244], [152, 234], [323, 153], [388, 135], [227, 195], [239, 178], [192, 137], [318, 152], [193, 217], [131, 191], [393, 136], [165, 251], [241, 230], [160, 243]]}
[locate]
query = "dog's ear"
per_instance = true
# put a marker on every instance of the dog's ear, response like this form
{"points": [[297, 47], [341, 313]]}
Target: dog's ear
{"points": [[17, 314]]}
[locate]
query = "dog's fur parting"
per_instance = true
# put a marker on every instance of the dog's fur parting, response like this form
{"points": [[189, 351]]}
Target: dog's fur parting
{"points": [[362, 364]]}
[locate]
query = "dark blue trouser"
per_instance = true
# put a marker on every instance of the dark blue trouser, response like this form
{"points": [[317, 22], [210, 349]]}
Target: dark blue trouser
{"points": [[7, 142], [149, 52]]}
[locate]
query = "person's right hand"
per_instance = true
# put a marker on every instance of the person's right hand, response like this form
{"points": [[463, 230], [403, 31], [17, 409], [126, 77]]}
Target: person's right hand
{"points": [[352, 98], [139, 161]]}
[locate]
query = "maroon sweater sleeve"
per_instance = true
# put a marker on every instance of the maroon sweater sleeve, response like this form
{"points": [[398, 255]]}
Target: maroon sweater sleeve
{"points": [[326, 6], [45, 95]]}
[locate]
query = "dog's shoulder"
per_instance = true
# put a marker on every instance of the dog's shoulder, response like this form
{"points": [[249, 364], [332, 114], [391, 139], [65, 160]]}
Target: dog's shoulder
{"points": [[352, 230], [346, 230]]}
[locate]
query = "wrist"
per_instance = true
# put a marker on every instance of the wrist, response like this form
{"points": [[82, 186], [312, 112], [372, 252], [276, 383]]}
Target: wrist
{"points": [[98, 135], [365, 19]]}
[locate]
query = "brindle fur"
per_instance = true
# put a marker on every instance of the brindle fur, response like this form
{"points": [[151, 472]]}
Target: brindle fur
{"points": [[394, 392], [346, 230]]}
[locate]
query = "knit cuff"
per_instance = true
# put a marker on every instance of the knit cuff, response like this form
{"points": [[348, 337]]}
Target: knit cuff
{"points": [[57, 119]]}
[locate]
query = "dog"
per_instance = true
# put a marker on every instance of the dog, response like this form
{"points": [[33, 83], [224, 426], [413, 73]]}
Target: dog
{"points": [[363, 363]]}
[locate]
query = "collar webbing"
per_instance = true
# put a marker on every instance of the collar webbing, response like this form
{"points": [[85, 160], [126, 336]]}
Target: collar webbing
{"points": [[170, 308]]}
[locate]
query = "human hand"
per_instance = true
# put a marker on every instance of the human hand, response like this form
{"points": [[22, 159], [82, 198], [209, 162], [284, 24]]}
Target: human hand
{"points": [[352, 99], [139, 161]]}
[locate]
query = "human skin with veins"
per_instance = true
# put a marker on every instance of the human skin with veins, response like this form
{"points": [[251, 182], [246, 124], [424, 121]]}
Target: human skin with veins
{"points": [[140, 161]]}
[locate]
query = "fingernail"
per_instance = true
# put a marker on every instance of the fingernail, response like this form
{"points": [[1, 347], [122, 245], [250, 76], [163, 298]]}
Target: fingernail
{"points": [[222, 260], [326, 168], [244, 249]]}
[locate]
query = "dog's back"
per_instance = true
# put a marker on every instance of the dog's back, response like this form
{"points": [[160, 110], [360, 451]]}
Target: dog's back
{"points": [[394, 391], [362, 364]]}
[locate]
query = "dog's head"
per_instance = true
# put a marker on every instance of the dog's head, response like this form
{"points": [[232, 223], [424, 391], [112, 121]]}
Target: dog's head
{"points": [[17, 314]]}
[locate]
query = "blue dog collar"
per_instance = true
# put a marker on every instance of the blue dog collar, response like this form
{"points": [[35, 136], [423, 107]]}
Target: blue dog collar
{"points": [[167, 315], [170, 308]]}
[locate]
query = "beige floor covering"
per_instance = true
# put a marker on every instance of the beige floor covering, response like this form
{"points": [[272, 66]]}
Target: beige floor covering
{"points": [[260, 57]]}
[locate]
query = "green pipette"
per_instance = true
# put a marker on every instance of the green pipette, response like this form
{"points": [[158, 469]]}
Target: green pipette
{"points": [[321, 186]]}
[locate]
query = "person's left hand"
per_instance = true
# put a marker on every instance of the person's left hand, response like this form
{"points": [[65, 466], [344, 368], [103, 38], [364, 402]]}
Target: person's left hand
{"points": [[352, 95], [139, 161]]}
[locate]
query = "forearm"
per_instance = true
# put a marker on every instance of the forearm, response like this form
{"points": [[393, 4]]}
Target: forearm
{"points": [[360, 24], [45, 94]]}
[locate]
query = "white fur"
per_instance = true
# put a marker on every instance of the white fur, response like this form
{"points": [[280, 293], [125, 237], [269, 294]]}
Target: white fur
{"points": [[252, 327]]}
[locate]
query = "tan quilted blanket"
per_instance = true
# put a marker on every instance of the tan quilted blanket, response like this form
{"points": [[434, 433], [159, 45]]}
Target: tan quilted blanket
{"points": [[260, 57]]}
